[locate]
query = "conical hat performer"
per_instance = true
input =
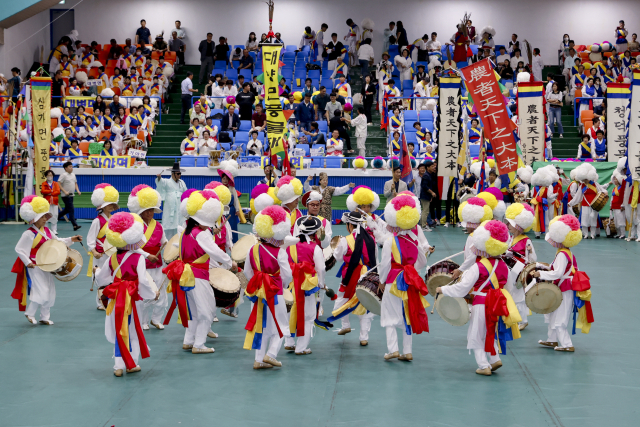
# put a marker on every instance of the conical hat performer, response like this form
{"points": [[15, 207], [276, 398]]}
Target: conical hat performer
{"points": [[31, 281], [145, 202], [125, 277]]}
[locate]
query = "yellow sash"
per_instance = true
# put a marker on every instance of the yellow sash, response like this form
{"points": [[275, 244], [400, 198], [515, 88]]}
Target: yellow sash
{"points": [[586, 147], [101, 234], [512, 320], [351, 242], [188, 279], [396, 121], [260, 295], [517, 239], [74, 151], [150, 229]]}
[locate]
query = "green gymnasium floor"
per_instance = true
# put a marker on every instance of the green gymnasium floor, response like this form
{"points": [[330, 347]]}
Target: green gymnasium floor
{"points": [[62, 375]]}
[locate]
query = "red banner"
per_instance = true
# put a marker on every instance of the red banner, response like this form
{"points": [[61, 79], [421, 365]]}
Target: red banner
{"points": [[489, 102]]}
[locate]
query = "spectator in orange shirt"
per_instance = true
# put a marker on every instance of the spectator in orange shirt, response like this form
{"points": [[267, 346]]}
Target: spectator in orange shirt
{"points": [[50, 191]]}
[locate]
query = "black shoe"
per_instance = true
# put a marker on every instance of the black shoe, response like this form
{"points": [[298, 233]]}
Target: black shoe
{"points": [[537, 237], [77, 227]]}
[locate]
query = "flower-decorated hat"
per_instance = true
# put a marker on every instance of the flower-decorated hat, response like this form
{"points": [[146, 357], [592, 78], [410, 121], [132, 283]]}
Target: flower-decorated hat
{"points": [[273, 224], [361, 196], [491, 239], [204, 207], [402, 212], [105, 194], [221, 190], [474, 211], [564, 231], [476, 168], [496, 202], [32, 208], [288, 189], [183, 202], [520, 216], [542, 178], [378, 162], [125, 230], [143, 197]]}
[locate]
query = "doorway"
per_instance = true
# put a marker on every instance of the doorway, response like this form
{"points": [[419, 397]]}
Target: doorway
{"points": [[62, 22]]}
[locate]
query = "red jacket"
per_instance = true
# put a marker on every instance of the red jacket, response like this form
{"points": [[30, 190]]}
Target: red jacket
{"points": [[50, 193]]}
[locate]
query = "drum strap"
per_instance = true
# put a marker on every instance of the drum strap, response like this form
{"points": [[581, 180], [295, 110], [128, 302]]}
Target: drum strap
{"points": [[486, 282]]}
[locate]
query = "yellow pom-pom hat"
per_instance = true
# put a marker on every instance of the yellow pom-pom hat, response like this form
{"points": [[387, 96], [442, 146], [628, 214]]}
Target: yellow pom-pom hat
{"points": [[143, 197], [105, 194], [490, 239], [362, 196], [125, 230], [474, 211], [221, 190], [204, 207], [402, 212], [32, 208], [520, 216], [273, 224], [288, 189], [564, 231]]}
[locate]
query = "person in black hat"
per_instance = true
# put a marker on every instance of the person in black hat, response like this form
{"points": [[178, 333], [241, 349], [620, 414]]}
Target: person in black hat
{"points": [[357, 252], [170, 190], [305, 258]]}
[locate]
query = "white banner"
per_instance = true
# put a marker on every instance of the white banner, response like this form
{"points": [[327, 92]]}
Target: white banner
{"points": [[617, 117], [448, 122], [532, 125], [633, 153], [138, 154]]}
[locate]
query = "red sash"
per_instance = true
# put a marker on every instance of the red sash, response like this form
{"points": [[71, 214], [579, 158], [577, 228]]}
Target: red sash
{"points": [[417, 313], [271, 289], [299, 270], [174, 272]]}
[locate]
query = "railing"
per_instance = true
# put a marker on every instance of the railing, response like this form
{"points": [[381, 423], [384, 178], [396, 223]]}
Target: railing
{"points": [[90, 100], [576, 108]]}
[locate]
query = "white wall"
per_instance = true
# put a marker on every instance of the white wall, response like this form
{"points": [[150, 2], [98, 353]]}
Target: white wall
{"points": [[23, 44], [541, 22]]}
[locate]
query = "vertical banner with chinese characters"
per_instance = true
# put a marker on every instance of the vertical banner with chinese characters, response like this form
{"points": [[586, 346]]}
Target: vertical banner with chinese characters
{"points": [[618, 95], [448, 125], [532, 124], [633, 153], [276, 122], [489, 101], [41, 107]]}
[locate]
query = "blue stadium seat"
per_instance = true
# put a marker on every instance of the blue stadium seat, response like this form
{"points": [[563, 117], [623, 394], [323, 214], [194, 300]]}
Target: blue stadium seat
{"points": [[333, 162], [246, 74], [426, 115], [410, 116], [287, 73], [315, 83], [428, 125], [306, 149], [220, 71], [291, 48], [325, 65], [300, 73], [217, 111], [220, 65], [474, 150], [474, 49], [254, 56], [225, 146], [245, 125], [314, 74], [322, 126], [408, 125], [407, 93], [188, 161], [443, 50], [216, 122], [288, 55], [202, 161], [328, 83], [317, 163], [242, 135], [232, 74], [407, 84], [236, 64], [394, 50]]}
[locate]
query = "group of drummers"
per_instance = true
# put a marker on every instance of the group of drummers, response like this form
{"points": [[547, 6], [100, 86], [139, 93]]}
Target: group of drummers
{"points": [[281, 269]]}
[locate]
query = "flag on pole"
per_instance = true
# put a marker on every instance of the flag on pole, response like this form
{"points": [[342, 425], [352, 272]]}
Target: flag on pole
{"points": [[405, 162]]}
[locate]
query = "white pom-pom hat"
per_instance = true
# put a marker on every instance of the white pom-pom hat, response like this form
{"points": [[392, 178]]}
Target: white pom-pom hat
{"points": [[476, 168], [105, 194], [524, 77], [32, 208], [622, 164], [56, 113], [525, 174], [125, 230], [586, 172], [107, 93], [81, 77], [488, 29], [553, 172], [136, 102], [204, 207], [143, 197], [541, 178], [289, 189]]}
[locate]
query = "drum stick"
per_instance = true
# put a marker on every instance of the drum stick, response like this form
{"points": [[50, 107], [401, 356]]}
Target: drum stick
{"points": [[449, 257], [239, 232], [434, 303]]}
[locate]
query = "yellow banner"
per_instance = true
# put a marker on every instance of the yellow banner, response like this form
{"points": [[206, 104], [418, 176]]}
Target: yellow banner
{"points": [[276, 122], [111, 161], [294, 162], [41, 108]]}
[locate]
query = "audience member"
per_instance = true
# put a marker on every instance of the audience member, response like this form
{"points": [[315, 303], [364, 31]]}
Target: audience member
{"points": [[178, 46], [222, 50], [207, 50], [258, 119], [246, 62], [143, 35], [187, 90], [230, 121], [245, 101]]}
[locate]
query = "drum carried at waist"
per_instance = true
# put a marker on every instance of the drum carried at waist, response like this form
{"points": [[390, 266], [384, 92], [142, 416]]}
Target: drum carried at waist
{"points": [[287, 295], [454, 311], [439, 274], [540, 297], [329, 259], [241, 248], [172, 249], [600, 201], [226, 286], [369, 292], [56, 258]]}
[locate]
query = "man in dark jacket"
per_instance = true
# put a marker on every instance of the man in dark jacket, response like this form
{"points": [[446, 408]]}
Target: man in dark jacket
{"points": [[207, 50], [427, 193], [305, 113], [230, 121]]}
